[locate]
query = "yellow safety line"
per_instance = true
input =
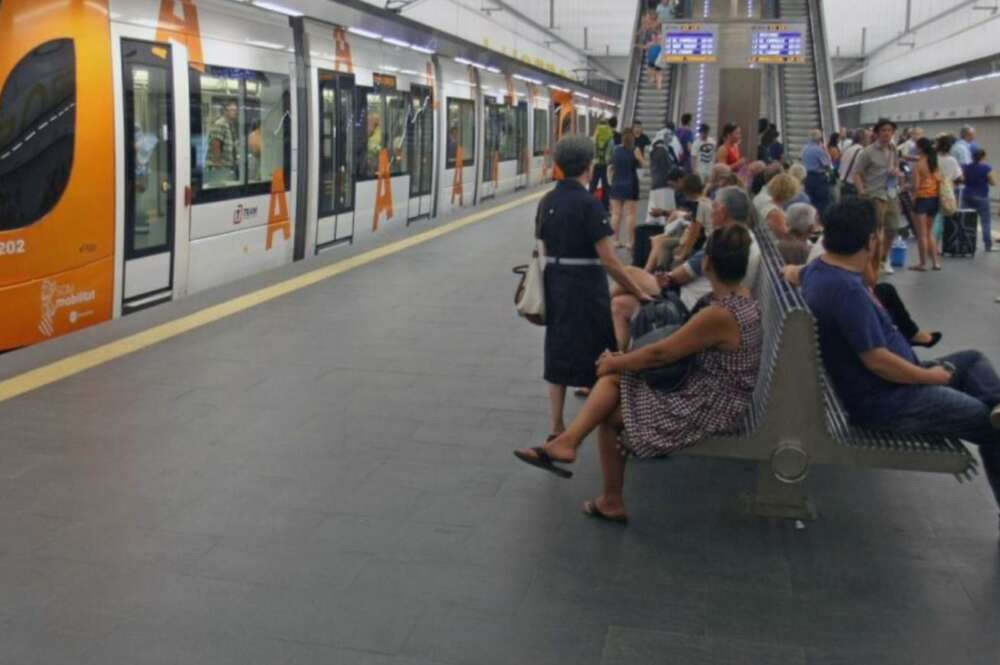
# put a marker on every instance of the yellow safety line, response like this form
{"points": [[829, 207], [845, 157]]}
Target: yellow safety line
{"points": [[61, 369]]}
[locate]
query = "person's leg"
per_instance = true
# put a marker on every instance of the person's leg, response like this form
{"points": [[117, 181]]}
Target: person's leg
{"points": [[950, 412], [623, 308], [975, 376], [982, 206], [557, 402], [612, 499], [918, 221], [602, 402], [630, 207], [616, 217], [889, 297]]}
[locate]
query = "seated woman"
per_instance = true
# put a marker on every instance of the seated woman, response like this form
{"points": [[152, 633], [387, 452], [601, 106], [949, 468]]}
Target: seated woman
{"points": [[781, 189], [665, 248], [801, 220], [634, 419]]}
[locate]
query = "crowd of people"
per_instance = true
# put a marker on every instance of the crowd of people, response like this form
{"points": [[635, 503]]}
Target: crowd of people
{"points": [[833, 214]]}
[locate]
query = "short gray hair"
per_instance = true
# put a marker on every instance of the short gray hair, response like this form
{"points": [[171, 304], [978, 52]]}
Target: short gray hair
{"points": [[816, 136], [574, 154], [800, 217], [966, 129], [736, 202]]}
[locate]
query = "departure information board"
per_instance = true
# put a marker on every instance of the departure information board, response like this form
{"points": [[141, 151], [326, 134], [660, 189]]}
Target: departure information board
{"points": [[778, 43], [690, 42]]}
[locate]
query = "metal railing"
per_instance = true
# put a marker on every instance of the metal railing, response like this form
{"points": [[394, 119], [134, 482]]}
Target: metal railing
{"points": [[826, 93]]}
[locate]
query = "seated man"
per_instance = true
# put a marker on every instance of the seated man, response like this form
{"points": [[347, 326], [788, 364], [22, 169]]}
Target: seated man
{"points": [[879, 378], [731, 206], [694, 213]]}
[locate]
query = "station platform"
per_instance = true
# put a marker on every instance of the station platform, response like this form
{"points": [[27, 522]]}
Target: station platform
{"points": [[314, 466]]}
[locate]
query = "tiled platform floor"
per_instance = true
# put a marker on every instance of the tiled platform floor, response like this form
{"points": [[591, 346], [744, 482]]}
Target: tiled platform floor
{"points": [[328, 479]]}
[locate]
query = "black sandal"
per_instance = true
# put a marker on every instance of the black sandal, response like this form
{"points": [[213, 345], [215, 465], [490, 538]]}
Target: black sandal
{"points": [[935, 338], [543, 461], [590, 509]]}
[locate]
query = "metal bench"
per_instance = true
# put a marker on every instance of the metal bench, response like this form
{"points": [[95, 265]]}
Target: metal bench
{"points": [[796, 419]]}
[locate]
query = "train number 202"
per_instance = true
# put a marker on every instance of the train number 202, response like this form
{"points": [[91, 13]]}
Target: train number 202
{"points": [[11, 247]]}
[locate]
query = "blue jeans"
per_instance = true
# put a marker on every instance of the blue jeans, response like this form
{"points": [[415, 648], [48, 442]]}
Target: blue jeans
{"points": [[961, 410], [981, 205]]}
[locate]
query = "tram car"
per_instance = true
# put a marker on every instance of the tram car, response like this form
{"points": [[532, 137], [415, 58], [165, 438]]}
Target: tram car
{"points": [[151, 149]]}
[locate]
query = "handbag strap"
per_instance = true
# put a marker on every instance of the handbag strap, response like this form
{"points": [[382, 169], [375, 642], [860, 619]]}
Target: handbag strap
{"points": [[850, 167]]}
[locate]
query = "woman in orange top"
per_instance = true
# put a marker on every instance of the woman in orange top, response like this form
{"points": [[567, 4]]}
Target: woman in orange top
{"points": [[729, 148], [926, 189]]}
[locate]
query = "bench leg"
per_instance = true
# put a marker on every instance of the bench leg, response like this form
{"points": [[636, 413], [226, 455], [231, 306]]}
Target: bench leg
{"points": [[773, 498]]}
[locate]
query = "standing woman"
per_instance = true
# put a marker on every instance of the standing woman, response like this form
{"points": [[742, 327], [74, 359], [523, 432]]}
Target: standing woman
{"points": [[926, 188], [574, 229], [833, 148], [950, 170], [729, 148], [625, 162], [978, 178]]}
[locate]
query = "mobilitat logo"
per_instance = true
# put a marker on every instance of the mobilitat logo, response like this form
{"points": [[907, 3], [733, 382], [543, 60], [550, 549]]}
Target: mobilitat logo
{"points": [[244, 212], [56, 296]]}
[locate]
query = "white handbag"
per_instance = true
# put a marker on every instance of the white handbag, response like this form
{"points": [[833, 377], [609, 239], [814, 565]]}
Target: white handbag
{"points": [[529, 297]]}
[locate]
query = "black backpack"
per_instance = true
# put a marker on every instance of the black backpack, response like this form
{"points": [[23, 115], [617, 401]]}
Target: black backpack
{"points": [[655, 321]]}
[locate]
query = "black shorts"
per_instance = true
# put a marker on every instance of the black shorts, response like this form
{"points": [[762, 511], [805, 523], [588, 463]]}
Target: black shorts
{"points": [[927, 206]]}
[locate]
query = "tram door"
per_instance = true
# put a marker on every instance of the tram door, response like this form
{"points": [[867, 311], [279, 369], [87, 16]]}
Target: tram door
{"points": [[147, 78]]}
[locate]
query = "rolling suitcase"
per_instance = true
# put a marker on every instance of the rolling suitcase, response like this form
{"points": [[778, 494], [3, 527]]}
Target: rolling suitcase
{"points": [[960, 230]]}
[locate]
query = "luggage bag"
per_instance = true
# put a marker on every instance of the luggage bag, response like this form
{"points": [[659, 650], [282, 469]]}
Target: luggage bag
{"points": [[960, 231]]}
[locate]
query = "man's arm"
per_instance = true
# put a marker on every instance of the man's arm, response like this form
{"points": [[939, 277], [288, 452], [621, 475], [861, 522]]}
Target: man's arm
{"points": [[887, 365]]}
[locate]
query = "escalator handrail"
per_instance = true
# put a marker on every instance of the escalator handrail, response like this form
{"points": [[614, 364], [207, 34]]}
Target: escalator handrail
{"points": [[821, 66], [631, 90]]}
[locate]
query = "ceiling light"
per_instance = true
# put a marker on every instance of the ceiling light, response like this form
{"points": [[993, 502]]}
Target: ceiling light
{"points": [[493, 69], [281, 9], [270, 45], [580, 94], [396, 42], [388, 68], [364, 33], [559, 88], [527, 79], [422, 49], [410, 72]]}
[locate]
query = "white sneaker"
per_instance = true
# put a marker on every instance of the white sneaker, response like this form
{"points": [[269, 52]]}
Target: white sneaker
{"points": [[887, 268]]}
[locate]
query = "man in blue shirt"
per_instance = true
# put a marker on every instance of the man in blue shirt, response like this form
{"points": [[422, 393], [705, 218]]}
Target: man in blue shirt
{"points": [[818, 165], [879, 379], [686, 138], [962, 148]]}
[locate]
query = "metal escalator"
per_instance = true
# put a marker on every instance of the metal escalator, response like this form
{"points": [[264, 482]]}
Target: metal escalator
{"points": [[807, 98], [652, 109], [642, 100]]}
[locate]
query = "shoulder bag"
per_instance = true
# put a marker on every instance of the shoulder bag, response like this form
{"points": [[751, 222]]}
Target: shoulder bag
{"points": [[654, 322], [529, 296]]}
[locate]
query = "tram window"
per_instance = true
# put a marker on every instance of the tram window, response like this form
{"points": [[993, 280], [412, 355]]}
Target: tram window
{"points": [[461, 131], [508, 133], [420, 140], [521, 124], [37, 124], [382, 118], [336, 160], [240, 132], [491, 143], [581, 124], [541, 132]]}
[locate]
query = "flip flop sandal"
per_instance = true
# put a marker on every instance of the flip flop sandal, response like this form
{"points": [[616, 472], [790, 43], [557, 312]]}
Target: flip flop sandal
{"points": [[918, 268], [543, 461], [582, 392], [590, 509]]}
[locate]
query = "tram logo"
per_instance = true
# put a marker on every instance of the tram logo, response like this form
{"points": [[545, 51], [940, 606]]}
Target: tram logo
{"points": [[55, 297], [184, 31], [243, 213]]}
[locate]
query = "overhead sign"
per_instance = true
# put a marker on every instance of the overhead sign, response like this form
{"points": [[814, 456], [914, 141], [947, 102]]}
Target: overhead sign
{"points": [[690, 42], [778, 43]]}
